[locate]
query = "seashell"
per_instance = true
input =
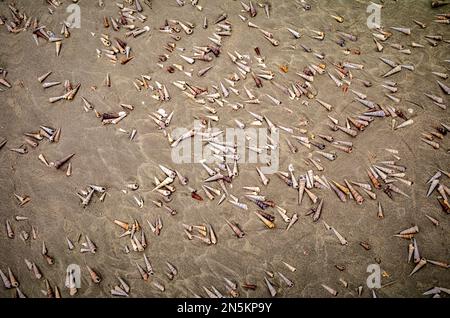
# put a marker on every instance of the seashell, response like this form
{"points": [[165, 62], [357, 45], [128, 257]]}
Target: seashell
{"points": [[330, 290], [270, 287], [5, 279], [94, 276]]}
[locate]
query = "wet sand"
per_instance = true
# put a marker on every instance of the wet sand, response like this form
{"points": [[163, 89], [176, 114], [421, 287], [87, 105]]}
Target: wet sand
{"points": [[105, 156]]}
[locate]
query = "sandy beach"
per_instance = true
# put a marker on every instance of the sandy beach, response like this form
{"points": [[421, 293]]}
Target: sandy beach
{"points": [[106, 156]]}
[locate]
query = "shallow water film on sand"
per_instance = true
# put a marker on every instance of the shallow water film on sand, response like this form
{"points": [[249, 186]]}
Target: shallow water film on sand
{"points": [[224, 149]]}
